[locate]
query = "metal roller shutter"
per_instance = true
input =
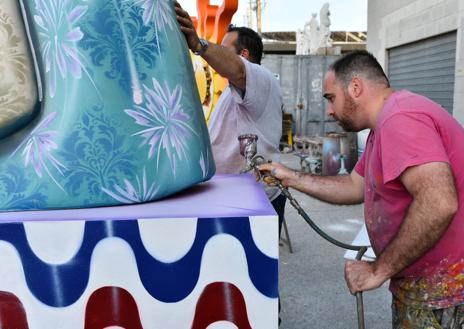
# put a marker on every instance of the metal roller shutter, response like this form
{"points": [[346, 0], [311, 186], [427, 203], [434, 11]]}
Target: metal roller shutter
{"points": [[426, 67]]}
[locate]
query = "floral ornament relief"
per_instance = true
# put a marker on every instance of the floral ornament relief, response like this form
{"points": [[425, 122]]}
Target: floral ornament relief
{"points": [[19, 191], [59, 35], [38, 147], [165, 121], [16, 85], [117, 40], [95, 155]]}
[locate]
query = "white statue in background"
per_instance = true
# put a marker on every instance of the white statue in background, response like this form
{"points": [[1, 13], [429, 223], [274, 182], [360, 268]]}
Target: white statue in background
{"points": [[314, 36], [306, 43], [301, 42], [324, 28]]}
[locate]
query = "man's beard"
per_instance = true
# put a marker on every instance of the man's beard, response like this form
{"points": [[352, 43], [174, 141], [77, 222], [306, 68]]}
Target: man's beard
{"points": [[346, 119]]}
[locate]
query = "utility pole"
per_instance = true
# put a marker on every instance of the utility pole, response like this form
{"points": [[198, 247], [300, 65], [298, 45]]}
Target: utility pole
{"points": [[258, 15], [250, 14], [255, 7]]}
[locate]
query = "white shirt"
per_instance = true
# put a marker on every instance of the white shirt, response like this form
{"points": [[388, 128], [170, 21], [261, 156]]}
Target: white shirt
{"points": [[256, 111]]}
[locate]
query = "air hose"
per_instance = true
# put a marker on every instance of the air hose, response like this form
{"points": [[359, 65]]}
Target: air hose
{"points": [[253, 165], [360, 249], [248, 149]]}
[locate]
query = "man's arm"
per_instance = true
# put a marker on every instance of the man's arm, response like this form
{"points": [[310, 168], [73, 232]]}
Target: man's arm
{"points": [[224, 61], [434, 204], [347, 189]]}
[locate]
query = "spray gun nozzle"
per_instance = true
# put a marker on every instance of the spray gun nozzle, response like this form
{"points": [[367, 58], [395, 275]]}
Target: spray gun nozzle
{"points": [[248, 145]]}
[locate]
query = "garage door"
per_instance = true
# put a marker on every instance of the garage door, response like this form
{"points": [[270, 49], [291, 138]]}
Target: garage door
{"points": [[426, 67]]}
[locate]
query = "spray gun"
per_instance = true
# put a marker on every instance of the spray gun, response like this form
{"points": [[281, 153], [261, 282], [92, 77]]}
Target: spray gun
{"points": [[248, 149]]}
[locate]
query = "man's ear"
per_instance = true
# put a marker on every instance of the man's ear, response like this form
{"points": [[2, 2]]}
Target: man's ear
{"points": [[356, 87], [245, 54]]}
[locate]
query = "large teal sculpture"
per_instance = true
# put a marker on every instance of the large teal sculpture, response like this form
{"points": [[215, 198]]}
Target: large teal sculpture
{"points": [[119, 119]]}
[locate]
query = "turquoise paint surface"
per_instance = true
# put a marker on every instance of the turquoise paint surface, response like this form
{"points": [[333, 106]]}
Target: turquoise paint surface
{"points": [[120, 120]]}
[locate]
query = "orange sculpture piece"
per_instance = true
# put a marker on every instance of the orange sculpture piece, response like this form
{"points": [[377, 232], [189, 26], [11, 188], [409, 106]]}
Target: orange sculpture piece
{"points": [[211, 25]]}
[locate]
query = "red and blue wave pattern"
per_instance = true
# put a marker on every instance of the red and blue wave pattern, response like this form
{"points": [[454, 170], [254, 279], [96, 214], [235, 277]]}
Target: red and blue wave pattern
{"points": [[60, 285]]}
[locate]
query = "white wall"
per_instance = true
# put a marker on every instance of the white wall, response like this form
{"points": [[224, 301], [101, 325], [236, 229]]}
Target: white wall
{"points": [[393, 23]]}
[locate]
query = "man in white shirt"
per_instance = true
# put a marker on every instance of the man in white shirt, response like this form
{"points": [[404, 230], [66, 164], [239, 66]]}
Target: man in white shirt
{"points": [[252, 103]]}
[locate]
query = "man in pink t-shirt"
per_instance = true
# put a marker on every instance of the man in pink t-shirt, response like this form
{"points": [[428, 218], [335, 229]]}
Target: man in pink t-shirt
{"points": [[411, 179]]}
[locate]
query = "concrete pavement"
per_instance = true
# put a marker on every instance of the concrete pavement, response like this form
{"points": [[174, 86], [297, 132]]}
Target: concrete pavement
{"points": [[312, 288]]}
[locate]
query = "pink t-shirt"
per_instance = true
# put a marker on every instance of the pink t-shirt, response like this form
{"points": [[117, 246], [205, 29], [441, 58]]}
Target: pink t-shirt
{"points": [[413, 130]]}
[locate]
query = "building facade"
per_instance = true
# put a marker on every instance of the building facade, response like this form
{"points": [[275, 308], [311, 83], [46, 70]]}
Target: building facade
{"points": [[420, 44]]}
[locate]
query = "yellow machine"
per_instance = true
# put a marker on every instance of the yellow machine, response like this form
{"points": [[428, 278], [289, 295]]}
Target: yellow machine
{"points": [[211, 25]]}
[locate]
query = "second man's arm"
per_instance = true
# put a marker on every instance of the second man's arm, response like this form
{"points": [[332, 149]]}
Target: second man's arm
{"points": [[224, 61], [347, 189]]}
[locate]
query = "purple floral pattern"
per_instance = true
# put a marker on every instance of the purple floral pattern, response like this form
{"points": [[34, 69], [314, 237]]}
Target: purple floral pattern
{"points": [[59, 36], [159, 11], [141, 193], [37, 149], [165, 122], [205, 160]]}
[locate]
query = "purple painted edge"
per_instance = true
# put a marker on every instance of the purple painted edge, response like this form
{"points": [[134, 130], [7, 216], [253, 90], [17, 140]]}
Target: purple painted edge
{"points": [[222, 196]]}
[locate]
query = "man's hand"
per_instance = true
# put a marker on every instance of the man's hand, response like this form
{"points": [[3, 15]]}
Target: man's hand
{"points": [[222, 59], [282, 173], [361, 276], [187, 27]]}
